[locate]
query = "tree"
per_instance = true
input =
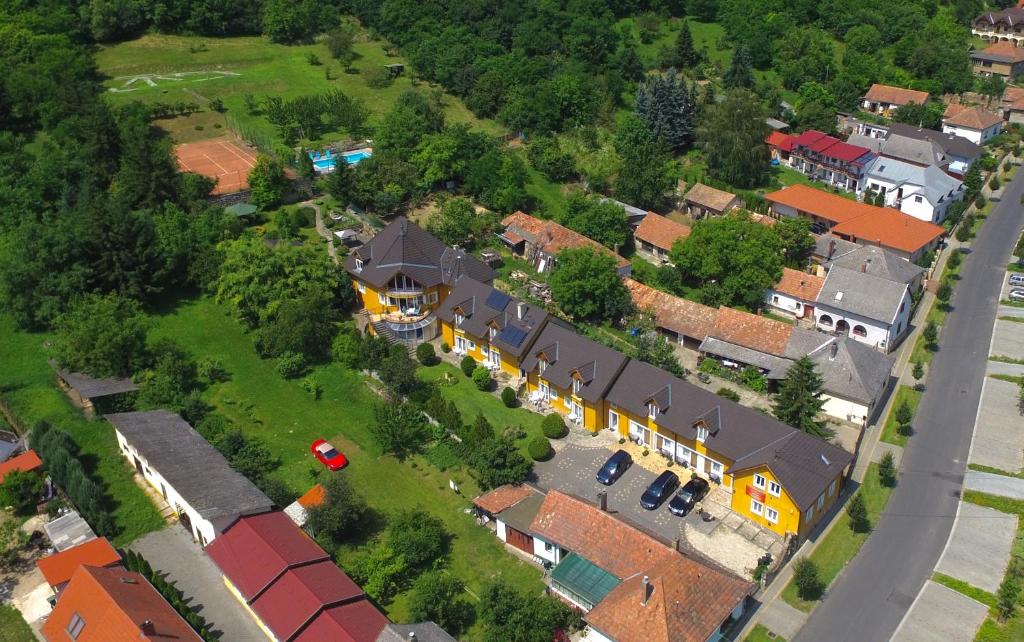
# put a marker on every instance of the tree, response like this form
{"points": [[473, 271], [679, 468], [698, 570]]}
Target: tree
{"points": [[650, 347], [254, 460], [931, 334], [341, 513], [419, 537], [412, 117], [858, 514], [399, 428], [904, 416], [339, 42], [816, 108], [508, 397], [510, 615], [548, 158], [803, 54], [338, 182], [474, 435], [12, 538], [289, 21], [170, 379], [740, 74], [927, 116], [380, 572], [553, 426], [797, 241], [425, 354], [303, 325], [599, 219], [731, 259], [458, 223], [668, 108], [645, 173], [887, 470], [731, 134], [972, 182], [587, 285], [497, 461], [398, 372], [918, 371], [21, 490], [267, 182], [798, 402], [807, 579], [683, 53], [122, 251], [104, 336], [993, 87], [439, 597], [1006, 597]]}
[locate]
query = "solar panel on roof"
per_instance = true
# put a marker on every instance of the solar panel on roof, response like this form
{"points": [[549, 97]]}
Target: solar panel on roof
{"points": [[498, 300], [512, 335]]}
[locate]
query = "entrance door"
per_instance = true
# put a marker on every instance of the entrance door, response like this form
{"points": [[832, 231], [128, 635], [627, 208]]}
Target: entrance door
{"points": [[519, 539], [185, 520], [613, 421], [700, 462]]}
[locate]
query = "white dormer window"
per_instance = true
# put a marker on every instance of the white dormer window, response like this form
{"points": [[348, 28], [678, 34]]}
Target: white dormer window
{"points": [[542, 364], [359, 265], [493, 332], [702, 433], [652, 410], [576, 385], [459, 319]]}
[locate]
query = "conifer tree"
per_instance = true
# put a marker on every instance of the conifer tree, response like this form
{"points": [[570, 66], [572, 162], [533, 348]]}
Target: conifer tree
{"points": [[684, 53], [741, 71], [668, 108], [799, 401]]}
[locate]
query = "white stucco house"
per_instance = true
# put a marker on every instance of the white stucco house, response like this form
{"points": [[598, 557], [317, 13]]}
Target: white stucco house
{"points": [[973, 123], [922, 192], [864, 307], [197, 482]]}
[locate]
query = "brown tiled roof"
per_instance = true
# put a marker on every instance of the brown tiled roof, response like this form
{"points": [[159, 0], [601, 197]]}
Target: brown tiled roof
{"points": [[763, 219], [551, 237], [799, 285], [973, 118], [502, 497], [1003, 51], [709, 197], [661, 232], [1012, 95], [672, 312], [895, 95], [752, 331]]}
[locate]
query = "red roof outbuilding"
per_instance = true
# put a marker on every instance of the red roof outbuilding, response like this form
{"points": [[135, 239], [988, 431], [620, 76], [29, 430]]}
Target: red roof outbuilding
{"points": [[26, 461], [59, 567]]}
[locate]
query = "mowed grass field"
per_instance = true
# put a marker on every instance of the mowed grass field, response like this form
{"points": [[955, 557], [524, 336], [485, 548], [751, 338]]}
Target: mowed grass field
{"points": [[288, 419], [255, 66]]}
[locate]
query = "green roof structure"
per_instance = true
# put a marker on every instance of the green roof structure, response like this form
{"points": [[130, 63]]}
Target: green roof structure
{"points": [[241, 209], [587, 582]]}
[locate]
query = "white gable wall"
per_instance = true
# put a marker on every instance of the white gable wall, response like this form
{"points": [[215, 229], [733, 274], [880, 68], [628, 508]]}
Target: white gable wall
{"points": [[975, 136], [878, 334]]}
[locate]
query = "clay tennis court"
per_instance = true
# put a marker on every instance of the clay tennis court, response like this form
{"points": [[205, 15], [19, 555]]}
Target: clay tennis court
{"points": [[219, 159]]}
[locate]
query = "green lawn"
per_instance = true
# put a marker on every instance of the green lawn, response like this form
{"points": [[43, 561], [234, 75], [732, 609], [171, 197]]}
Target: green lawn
{"points": [[890, 434], [761, 634], [550, 197], [842, 544], [13, 627], [1012, 630], [263, 69], [788, 176], [27, 384], [969, 590], [992, 469], [288, 419]]}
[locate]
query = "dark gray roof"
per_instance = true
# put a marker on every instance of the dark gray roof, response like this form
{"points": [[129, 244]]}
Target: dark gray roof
{"points": [[952, 145], [830, 247], [567, 353], [861, 293], [190, 464], [914, 150], [520, 515], [849, 369], [9, 443], [776, 366], [425, 632], [92, 387], [862, 140], [878, 262], [483, 306], [935, 184], [405, 248]]}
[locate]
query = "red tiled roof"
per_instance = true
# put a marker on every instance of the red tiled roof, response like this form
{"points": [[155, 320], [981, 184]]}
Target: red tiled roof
{"points": [[824, 205], [808, 138], [799, 285], [357, 621], [26, 461], [752, 331], [1002, 51], [298, 596], [113, 603], [829, 146], [59, 567], [895, 95], [673, 313], [502, 497], [783, 141], [973, 118], [822, 144], [552, 238], [259, 548], [313, 497], [846, 152], [661, 232]]}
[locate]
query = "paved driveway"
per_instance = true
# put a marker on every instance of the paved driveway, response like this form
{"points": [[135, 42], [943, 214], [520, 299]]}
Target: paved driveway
{"points": [[998, 439], [173, 552], [941, 613], [979, 546]]}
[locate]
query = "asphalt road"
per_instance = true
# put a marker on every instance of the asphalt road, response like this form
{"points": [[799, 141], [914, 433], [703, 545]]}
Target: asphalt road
{"points": [[871, 596]]}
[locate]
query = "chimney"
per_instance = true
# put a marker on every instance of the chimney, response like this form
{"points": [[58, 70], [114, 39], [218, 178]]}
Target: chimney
{"points": [[831, 248], [412, 636], [833, 351], [646, 585], [147, 627], [602, 501], [864, 266], [520, 310]]}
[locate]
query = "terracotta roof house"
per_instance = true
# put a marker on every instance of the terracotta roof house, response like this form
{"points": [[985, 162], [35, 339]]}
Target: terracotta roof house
{"points": [[779, 145], [885, 99], [502, 497], [703, 200], [59, 567], [1003, 58], [749, 339], [290, 584], [513, 509], [1012, 104], [680, 320], [795, 292], [198, 483], [113, 605], [27, 462], [656, 235], [973, 123], [830, 160], [602, 567], [859, 223], [539, 241]]}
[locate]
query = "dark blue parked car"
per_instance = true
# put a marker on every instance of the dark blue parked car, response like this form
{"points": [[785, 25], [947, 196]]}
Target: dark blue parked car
{"points": [[659, 490], [614, 467]]}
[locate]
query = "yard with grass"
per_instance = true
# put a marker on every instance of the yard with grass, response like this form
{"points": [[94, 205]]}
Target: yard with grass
{"points": [[149, 69], [760, 634], [890, 431], [841, 544], [287, 419], [27, 386], [13, 627]]}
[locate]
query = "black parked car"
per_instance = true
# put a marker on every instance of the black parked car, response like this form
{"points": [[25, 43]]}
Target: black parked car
{"points": [[659, 490], [688, 495], [614, 467]]}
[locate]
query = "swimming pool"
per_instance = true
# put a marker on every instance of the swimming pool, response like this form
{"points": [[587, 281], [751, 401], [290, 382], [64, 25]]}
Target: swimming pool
{"points": [[325, 162]]}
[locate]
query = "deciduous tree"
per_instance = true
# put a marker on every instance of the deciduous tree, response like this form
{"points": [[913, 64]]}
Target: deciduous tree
{"points": [[587, 285], [104, 336], [341, 513], [439, 597], [596, 218], [731, 134], [267, 182], [644, 175], [399, 428]]}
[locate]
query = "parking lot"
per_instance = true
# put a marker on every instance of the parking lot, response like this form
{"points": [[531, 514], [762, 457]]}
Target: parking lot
{"points": [[729, 540]]}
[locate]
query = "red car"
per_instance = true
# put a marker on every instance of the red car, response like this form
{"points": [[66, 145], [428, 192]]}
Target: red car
{"points": [[328, 455]]}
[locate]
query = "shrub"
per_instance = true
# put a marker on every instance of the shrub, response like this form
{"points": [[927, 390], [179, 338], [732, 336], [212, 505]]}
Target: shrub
{"points": [[425, 354], [291, 365], [710, 366], [918, 371], [467, 365], [887, 470], [211, 370], [539, 448], [377, 77], [553, 426], [956, 257], [752, 378], [443, 457], [728, 393], [312, 386], [445, 348], [21, 490], [508, 397], [1006, 597], [944, 292], [931, 334], [994, 183], [217, 105], [980, 201], [807, 579], [481, 378], [347, 349], [313, 59], [858, 513]]}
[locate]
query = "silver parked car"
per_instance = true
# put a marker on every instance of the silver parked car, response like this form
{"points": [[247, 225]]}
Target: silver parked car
{"points": [[1016, 279], [1016, 294]]}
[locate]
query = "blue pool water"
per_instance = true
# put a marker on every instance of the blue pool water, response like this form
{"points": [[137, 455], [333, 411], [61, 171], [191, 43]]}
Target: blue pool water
{"points": [[325, 162]]}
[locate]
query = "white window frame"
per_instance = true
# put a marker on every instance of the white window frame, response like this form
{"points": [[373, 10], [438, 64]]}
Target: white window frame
{"points": [[768, 510], [756, 507], [613, 420], [359, 265], [702, 434], [576, 411], [832, 488], [361, 287], [552, 393], [472, 344], [577, 385], [545, 389], [760, 481], [382, 299], [774, 488], [652, 410], [459, 319], [542, 365], [492, 332], [716, 468], [75, 626]]}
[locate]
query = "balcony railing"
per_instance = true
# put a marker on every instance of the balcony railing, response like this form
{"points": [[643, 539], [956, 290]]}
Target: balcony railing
{"points": [[404, 292]]}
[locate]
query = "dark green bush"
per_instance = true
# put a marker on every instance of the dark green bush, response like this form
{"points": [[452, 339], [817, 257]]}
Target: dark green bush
{"points": [[539, 448], [468, 365], [508, 397], [481, 378], [425, 354], [553, 426], [728, 393]]}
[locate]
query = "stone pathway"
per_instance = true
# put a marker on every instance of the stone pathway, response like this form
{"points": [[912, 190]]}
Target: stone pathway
{"points": [[978, 550], [940, 613], [1003, 368]]}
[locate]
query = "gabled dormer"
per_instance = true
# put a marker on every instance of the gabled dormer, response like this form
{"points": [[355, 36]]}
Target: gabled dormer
{"points": [[546, 356], [464, 310], [659, 402], [708, 424], [582, 375]]}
